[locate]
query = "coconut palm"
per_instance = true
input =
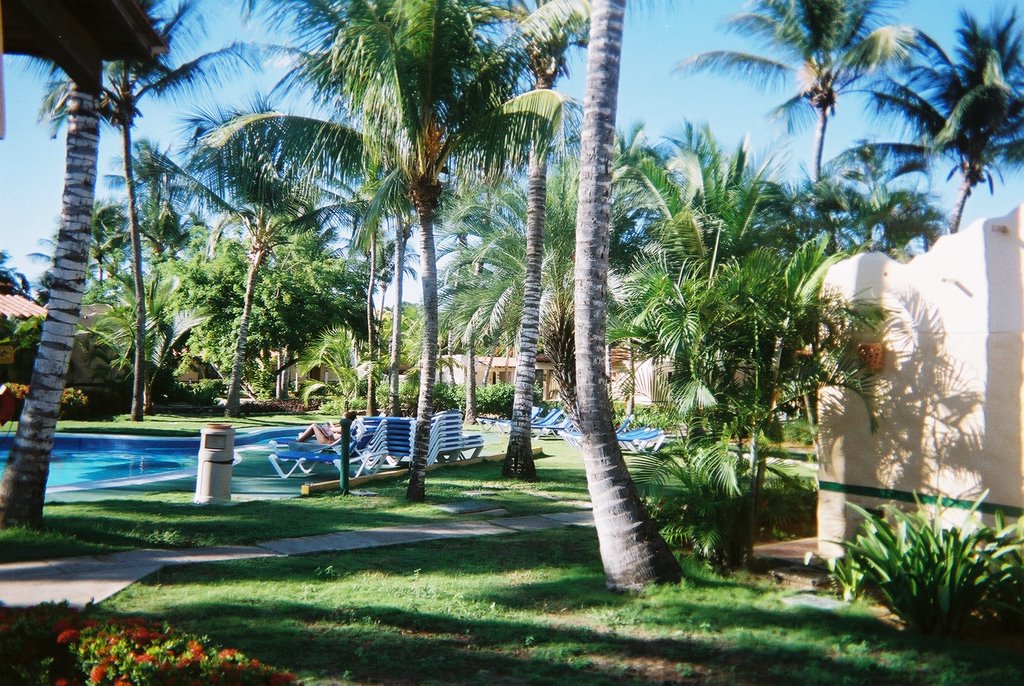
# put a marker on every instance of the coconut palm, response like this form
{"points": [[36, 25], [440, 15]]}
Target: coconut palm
{"points": [[24, 479], [434, 92], [125, 85], [11, 280], [259, 191], [550, 29], [333, 352], [829, 46], [109, 236], [967, 107], [633, 553]]}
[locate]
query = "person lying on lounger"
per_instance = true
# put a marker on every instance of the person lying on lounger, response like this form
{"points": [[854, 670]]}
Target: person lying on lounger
{"points": [[325, 433]]}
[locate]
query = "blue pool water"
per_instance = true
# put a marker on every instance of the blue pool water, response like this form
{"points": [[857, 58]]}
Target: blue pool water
{"points": [[80, 459]]}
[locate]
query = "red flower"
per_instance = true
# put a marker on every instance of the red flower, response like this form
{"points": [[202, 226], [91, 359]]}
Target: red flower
{"points": [[67, 636], [98, 673], [227, 653], [122, 682], [144, 659]]}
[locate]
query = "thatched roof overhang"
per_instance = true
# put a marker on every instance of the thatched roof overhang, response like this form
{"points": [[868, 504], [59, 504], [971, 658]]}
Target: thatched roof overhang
{"points": [[79, 35]]}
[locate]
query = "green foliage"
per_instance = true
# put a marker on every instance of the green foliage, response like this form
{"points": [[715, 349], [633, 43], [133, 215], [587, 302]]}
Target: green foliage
{"points": [[24, 336], [53, 644], [699, 492], [496, 399], [303, 290], [666, 416], [935, 578], [202, 393], [449, 396], [74, 403]]}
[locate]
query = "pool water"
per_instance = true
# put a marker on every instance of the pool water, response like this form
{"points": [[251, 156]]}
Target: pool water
{"points": [[96, 461]]}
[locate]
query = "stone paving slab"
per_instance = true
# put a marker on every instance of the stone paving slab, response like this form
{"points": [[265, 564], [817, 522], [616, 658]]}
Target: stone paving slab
{"points": [[192, 555], [466, 507], [580, 518], [532, 523], [308, 545]]}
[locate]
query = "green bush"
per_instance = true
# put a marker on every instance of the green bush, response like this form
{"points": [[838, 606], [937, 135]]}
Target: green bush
{"points": [[449, 396], [74, 404], [201, 393], [937, 579], [666, 417], [336, 406], [496, 399], [698, 492]]}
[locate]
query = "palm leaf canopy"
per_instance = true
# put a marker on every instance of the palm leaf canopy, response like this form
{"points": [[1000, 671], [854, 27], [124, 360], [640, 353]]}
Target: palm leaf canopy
{"points": [[433, 86]]}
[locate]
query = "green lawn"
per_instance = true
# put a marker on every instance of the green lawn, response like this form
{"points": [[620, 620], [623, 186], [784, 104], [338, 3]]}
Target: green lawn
{"points": [[532, 609], [162, 515]]}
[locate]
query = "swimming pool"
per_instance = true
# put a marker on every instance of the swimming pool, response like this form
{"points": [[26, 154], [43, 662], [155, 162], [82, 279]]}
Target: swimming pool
{"points": [[105, 461]]}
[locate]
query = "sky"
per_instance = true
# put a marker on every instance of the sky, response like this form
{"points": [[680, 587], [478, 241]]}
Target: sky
{"points": [[658, 35]]}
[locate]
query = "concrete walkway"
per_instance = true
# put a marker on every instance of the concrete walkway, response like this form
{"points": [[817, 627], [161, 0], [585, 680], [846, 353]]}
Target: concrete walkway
{"points": [[80, 580]]}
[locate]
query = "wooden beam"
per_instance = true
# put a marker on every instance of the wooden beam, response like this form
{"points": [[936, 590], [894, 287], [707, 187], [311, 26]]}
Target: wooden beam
{"points": [[73, 48], [149, 42]]}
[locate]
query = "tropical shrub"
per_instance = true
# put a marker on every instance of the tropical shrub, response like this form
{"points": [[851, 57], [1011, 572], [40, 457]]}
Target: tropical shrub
{"points": [[203, 393], [496, 399], [937, 579], [448, 396], [55, 644], [698, 492], [667, 417], [74, 404]]}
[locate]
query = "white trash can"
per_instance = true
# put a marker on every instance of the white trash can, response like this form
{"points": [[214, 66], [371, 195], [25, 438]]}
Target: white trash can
{"points": [[216, 458]]}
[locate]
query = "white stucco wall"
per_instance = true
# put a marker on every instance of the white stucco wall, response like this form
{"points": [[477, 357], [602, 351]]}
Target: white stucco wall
{"points": [[951, 410]]}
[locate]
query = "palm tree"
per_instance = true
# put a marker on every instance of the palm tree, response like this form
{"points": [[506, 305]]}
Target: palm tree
{"points": [[24, 479], [434, 93], [830, 46], [633, 552], [107, 247], [550, 28], [260, 191], [125, 85], [166, 326], [968, 107], [11, 280], [332, 352]]}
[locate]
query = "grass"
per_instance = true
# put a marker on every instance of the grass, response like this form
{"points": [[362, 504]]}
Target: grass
{"points": [[526, 608], [532, 609], [157, 518]]}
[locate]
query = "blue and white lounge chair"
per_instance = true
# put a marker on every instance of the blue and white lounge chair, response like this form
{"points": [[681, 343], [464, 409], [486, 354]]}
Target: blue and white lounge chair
{"points": [[447, 442], [505, 425]]}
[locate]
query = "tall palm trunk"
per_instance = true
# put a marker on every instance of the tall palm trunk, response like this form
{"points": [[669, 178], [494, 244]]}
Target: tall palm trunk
{"points": [[819, 140], [396, 318], [961, 200], [519, 453], [235, 385], [371, 329], [425, 195], [471, 381], [24, 480], [139, 362], [633, 553]]}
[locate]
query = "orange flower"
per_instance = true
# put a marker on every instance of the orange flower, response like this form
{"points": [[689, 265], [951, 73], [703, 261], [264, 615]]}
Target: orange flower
{"points": [[98, 673], [67, 636]]}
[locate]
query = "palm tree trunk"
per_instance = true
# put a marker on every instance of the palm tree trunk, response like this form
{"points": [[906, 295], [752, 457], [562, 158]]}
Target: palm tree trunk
{"points": [[518, 462], [235, 386], [23, 486], [425, 196], [139, 363], [819, 141], [958, 207], [633, 553], [396, 318], [371, 330], [471, 381]]}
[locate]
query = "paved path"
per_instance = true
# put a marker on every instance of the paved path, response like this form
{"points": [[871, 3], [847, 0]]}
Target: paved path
{"points": [[80, 580]]}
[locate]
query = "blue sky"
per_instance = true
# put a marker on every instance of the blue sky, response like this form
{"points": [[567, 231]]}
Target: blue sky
{"points": [[658, 35]]}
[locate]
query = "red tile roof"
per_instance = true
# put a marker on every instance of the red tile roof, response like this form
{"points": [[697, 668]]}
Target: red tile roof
{"points": [[19, 306]]}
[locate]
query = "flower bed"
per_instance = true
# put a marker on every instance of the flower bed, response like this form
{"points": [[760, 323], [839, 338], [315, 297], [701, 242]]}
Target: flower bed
{"points": [[54, 644]]}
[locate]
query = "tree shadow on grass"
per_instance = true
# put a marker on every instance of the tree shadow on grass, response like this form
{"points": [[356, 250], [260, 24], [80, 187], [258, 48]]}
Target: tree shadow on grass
{"points": [[475, 612]]}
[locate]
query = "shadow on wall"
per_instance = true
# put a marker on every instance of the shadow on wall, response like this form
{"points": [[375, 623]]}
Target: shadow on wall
{"points": [[949, 404]]}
